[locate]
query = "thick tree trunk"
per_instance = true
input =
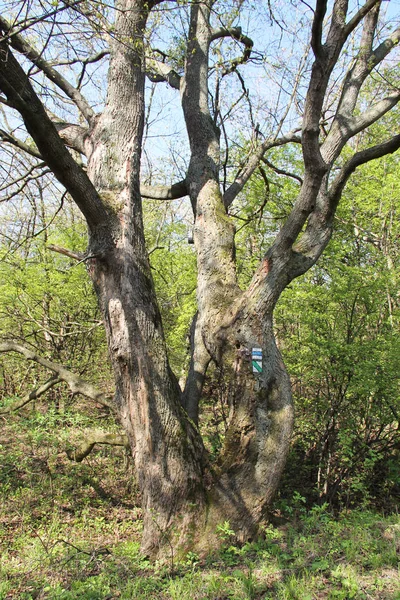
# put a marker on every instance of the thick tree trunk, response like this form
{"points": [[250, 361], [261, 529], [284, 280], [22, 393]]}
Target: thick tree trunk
{"points": [[166, 447], [258, 435], [183, 497], [228, 325], [167, 450]]}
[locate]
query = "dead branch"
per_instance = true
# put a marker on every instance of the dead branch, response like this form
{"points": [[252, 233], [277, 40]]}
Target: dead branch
{"points": [[75, 255], [33, 395], [76, 384], [98, 437]]}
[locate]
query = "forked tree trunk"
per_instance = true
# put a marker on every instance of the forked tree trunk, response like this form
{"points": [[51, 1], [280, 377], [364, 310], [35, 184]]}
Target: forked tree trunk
{"points": [[183, 497]]}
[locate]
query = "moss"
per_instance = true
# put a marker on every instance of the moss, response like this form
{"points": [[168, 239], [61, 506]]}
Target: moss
{"points": [[111, 201]]}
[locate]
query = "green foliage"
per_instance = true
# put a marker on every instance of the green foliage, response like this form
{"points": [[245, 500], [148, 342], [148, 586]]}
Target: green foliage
{"points": [[47, 302], [73, 531], [339, 333], [338, 330], [263, 208], [173, 263]]}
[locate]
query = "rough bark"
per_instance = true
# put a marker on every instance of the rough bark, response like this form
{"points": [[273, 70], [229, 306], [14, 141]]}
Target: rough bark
{"points": [[167, 449], [228, 326]]}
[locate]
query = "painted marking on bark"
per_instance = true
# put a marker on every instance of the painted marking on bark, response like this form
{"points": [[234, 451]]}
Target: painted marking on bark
{"points": [[256, 360], [265, 266]]}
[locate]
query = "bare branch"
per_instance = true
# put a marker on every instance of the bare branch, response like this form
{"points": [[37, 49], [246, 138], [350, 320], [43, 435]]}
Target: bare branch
{"points": [[16, 86], [319, 227], [375, 112], [27, 23], [344, 126], [33, 395], [27, 176], [316, 30], [22, 46], [252, 163], [83, 61], [158, 71], [76, 384], [384, 48], [75, 255], [359, 159], [361, 68], [164, 192], [73, 135], [10, 139], [98, 437], [26, 179], [352, 24], [236, 34], [282, 171]]}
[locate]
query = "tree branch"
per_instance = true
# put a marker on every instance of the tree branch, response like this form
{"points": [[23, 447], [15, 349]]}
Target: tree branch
{"points": [[74, 136], [357, 160], [352, 24], [252, 163], [164, 192], [16, 86], [361, 68], [158, 71], [75, 255], [344, 125], [33, 395], [384, 48], [98, 437], [83, 61], [22, 46], [76, 384], [10, 139], [319, 227], [282, 171], [25, 178], [236, 34], [316, 29], [375, 112]]}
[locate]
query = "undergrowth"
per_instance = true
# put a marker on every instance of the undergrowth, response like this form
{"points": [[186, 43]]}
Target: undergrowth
{"points": [[71, 532]]}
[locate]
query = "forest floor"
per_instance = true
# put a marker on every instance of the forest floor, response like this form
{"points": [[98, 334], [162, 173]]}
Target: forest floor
{"points": [[71, 531]]}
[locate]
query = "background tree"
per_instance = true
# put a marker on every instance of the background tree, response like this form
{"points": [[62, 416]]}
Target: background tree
{"points": [[338, 331], [182, 492]]}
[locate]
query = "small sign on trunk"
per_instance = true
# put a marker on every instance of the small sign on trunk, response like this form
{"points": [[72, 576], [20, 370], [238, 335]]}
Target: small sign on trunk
{"points": [[256, 360]]}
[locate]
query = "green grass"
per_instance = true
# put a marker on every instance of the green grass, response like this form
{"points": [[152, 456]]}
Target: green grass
{"points": [[71, 531]]}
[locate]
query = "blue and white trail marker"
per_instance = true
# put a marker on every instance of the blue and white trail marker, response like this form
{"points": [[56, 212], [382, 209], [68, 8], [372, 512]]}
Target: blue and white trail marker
{"points": [[256, 360]]}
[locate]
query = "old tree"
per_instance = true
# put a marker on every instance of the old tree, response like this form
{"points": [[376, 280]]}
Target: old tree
{"points": [[339, 85]]}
